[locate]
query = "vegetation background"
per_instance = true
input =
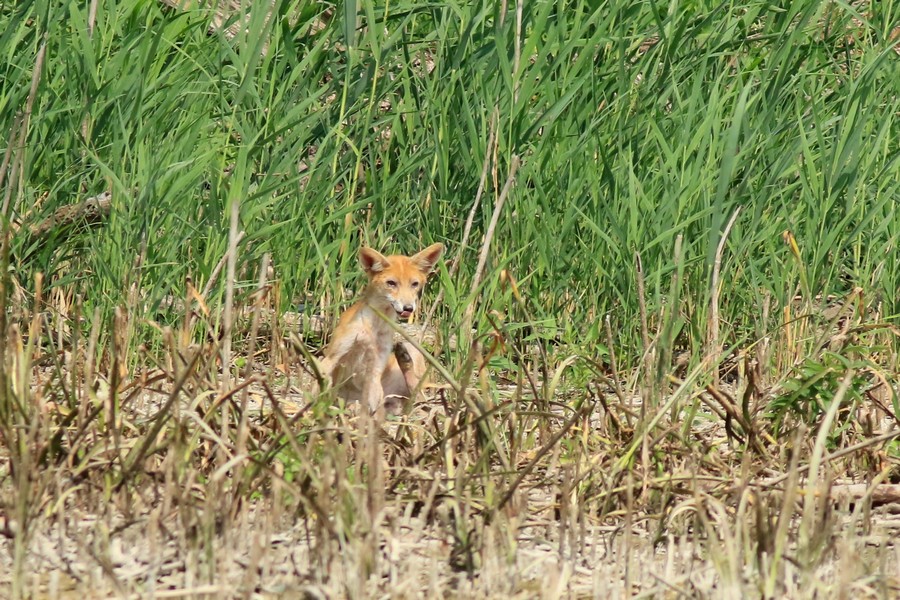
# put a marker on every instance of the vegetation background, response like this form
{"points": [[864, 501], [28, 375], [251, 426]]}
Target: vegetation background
{"points": [[658, 216]]}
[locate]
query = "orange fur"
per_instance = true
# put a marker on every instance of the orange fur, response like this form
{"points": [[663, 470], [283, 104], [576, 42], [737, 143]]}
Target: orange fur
{"points": [[361, 360]]}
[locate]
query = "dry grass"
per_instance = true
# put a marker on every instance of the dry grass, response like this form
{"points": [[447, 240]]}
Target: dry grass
{"points": [[138, 475]]}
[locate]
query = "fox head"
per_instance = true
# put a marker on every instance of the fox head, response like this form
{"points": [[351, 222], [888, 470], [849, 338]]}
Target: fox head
{"points": [[396, 282]]}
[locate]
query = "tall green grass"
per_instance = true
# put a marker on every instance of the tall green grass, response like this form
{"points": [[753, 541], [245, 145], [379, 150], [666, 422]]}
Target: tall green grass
{"points": [[635, 122]]}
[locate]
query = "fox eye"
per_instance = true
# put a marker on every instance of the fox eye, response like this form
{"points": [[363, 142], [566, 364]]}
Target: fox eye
{"points": [[415, 284], [391, 283]]}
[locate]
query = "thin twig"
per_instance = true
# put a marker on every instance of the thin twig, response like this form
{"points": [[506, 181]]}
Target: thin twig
{"points": [[228, 320], [616, 385], [488, 237], [217, 270], [885, 437], [470, 220], [517, 51], [134, 458], [248, 369], [523, 473], [19, 161], [645, 328], [7, 156], [92, 18]]}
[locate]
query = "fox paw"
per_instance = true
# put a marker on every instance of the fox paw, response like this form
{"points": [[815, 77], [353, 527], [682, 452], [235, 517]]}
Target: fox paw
{"points": [[393, 405], [404, 360]]}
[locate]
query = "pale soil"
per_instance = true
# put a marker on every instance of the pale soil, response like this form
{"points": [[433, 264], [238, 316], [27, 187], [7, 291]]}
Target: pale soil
{"points": [[89, 556], [535, 551]]}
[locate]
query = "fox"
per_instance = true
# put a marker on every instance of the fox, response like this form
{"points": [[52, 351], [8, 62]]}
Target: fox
{"points": [[361, 361]]}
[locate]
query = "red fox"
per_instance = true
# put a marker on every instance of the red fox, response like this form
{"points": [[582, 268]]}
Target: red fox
{"points": [[362, 362]]}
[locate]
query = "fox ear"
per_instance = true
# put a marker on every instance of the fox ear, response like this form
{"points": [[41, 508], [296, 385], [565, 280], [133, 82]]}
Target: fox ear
{"points": [[427, 258], [372, 261]]}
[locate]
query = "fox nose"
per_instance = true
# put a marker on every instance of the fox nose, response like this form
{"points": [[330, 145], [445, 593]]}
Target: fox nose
{"points": [[408, 308]]}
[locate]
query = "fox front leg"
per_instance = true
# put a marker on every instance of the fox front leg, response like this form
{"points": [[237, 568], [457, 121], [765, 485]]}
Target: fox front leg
{"points": [[373, 394]]}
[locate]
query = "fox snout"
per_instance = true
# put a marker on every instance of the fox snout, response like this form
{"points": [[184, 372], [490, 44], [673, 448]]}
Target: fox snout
{"points": [[404, 311]]}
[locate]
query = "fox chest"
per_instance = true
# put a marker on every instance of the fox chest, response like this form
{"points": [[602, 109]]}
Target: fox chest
{"points": [[367, 355]]}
